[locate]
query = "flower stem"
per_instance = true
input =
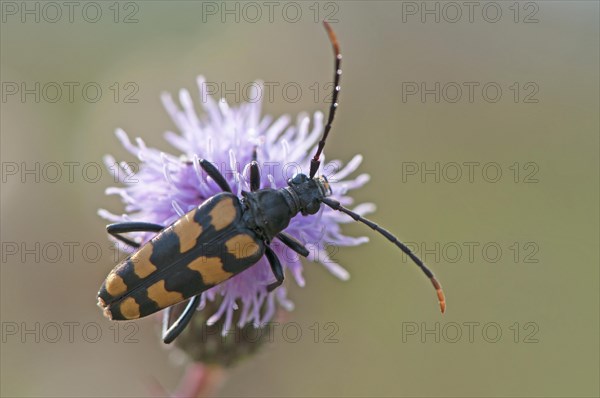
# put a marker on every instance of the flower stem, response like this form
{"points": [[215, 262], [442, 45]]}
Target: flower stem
{"points": [[200, 381]]}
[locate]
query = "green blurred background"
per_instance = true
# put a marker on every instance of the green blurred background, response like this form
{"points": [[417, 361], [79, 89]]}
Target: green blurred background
{"points": [[544, 219]]}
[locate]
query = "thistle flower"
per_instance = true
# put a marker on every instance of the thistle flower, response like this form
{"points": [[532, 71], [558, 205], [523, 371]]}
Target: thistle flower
{"points": [[166, 186]]}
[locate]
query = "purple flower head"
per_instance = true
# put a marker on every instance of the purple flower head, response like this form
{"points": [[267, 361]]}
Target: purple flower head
{"points": [[166, 186]]}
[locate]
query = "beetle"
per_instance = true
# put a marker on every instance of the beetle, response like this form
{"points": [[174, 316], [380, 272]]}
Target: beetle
{"points": [[221, 238]]}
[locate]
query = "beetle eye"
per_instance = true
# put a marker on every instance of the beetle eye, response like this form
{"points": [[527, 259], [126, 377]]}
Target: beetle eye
{"points": [[312, 207]]}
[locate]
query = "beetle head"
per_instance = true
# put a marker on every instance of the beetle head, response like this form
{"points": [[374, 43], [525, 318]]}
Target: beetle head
{"points": [[309, 192]]}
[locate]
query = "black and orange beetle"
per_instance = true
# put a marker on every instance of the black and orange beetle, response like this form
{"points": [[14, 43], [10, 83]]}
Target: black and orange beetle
{"points": [[221, 238]]}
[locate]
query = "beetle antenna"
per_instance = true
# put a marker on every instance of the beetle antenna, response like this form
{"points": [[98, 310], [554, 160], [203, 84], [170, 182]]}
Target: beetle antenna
{"points": [[315, 162], [335, 205]]}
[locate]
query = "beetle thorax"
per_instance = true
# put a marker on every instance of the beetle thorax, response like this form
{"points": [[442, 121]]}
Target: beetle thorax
{"points": [[268, 212]]}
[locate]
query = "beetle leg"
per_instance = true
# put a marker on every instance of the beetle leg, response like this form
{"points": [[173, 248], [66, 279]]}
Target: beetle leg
{"points": [[293, 244], [131, 226], [215, 174], [170, 333], [275, 267]]}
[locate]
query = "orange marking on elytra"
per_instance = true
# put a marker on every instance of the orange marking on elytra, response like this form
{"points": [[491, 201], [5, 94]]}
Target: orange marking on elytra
{"points": [[242, 246], [188, 231], [115, 286], [130, 309], [211, 269], [142, 266], [161, 296], [223, 213]]}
